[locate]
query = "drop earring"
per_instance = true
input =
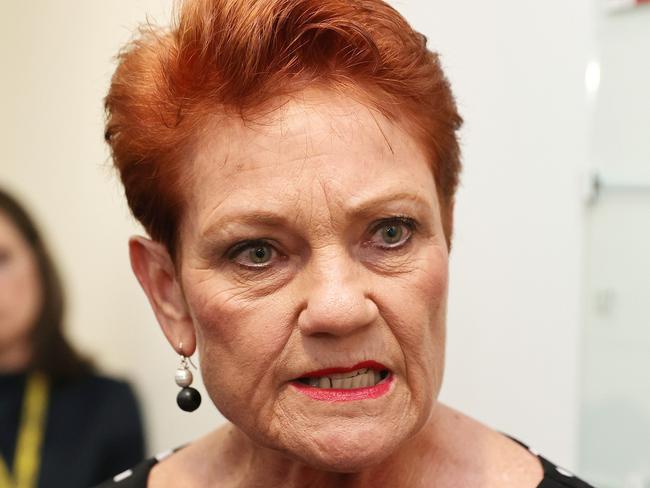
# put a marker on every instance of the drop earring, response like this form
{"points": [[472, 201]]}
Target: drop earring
{"points": [[188, 398]]}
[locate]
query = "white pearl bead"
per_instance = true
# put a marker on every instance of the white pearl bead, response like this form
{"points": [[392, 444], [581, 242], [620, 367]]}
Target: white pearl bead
{"points": [[183, 377]]}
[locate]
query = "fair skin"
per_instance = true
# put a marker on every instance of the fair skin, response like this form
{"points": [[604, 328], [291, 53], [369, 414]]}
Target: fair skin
{"points": [[20, 297], [348, 263]]}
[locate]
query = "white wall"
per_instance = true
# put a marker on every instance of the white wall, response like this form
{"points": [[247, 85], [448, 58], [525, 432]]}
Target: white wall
{"points": [[517, 67], [615, 398]]}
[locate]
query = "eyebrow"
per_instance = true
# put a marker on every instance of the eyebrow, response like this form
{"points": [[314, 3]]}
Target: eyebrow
{"points": [[266, 218], [369, 206]]}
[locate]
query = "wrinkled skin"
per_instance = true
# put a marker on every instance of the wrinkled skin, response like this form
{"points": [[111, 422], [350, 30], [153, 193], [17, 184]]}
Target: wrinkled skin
{"points": [[323, 176]]}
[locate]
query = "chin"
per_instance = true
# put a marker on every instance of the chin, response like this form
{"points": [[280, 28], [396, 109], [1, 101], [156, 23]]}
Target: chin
{"points": [[350, 451]]}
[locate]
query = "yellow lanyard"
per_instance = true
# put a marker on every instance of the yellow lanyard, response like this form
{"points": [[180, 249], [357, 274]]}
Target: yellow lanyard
{"points": [[30, 436]]}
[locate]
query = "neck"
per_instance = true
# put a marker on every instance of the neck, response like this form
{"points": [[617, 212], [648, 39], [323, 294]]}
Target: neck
{"points": [[15, 357], [423, 454]]}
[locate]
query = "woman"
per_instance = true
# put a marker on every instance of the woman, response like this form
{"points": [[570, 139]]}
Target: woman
{"points": [[61, 424], [294, 163]]}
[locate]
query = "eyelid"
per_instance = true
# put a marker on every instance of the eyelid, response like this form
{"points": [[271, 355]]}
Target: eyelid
{"points": [[242, 246], [237, 249], [408, 222]]}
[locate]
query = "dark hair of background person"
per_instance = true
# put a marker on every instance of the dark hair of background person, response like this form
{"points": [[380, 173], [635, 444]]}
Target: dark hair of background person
{"points": [[52, 353]]}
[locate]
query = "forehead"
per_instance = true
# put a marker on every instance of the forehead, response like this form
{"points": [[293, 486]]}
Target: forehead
{"points": [[316, 142]]}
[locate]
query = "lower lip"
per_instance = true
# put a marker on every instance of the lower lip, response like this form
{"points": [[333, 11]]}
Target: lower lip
{"points": [[345, 395]]}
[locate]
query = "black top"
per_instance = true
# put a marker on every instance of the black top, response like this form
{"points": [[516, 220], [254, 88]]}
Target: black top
{"points": [[554, 476], [93, 429]]}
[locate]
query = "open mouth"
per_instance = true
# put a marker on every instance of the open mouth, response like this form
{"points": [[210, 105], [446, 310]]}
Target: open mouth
{"points": [[359, 378], [362, 381]]}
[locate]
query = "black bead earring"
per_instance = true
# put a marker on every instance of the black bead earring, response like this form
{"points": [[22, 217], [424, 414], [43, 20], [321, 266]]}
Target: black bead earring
{"points": [[188, 398]]}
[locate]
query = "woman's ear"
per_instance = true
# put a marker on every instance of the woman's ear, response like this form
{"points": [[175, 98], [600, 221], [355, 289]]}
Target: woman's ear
{"points": [[156, 273]]}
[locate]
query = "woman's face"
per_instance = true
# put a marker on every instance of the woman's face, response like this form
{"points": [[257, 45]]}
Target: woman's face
{"points": [[313, 241], [20, 290]]}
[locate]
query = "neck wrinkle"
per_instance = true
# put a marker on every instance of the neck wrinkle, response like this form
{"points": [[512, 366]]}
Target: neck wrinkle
{"points": [[415, 461]]}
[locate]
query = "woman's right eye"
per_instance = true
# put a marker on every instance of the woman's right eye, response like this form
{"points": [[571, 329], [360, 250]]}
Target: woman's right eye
{"points": [[253, 254]]}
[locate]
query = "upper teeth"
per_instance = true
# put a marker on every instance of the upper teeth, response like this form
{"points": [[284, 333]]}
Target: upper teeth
{"points": [[359, 378]]}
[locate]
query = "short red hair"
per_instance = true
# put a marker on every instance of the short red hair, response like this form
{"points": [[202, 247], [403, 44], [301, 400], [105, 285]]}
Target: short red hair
{"points": [[234, 56]]}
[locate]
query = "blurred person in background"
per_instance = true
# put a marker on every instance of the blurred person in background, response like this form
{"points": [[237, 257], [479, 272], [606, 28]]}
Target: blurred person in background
{"points": [[61, 425]]}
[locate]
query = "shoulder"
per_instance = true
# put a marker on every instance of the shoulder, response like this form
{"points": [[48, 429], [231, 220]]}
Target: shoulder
{"points": [[135, 477], [487, 454], [203, 462], [159, 470], [554, 475], [96, 393], [101, 408], [93, 386], [103, 417], [94, 396], [487, 457]]}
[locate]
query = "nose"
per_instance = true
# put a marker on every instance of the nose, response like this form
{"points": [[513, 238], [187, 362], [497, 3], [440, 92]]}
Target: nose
{"points": [[337, 301]]}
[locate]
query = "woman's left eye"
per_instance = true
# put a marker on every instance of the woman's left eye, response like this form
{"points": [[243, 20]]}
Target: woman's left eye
{"points": [[391, 234], [256, 254]]}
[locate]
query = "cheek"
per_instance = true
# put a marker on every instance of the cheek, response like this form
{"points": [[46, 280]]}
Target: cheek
{"points": [[21, 300], [238, 340], [432, 293], [416, 310]]}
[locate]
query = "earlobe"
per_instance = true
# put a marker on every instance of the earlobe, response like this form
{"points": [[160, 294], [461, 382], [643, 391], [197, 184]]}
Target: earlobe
{"points": [[157, 275]]}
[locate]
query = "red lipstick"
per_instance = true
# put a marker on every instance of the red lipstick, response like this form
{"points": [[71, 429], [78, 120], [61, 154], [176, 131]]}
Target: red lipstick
{"points": [[365, 364], [346, 394]]}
